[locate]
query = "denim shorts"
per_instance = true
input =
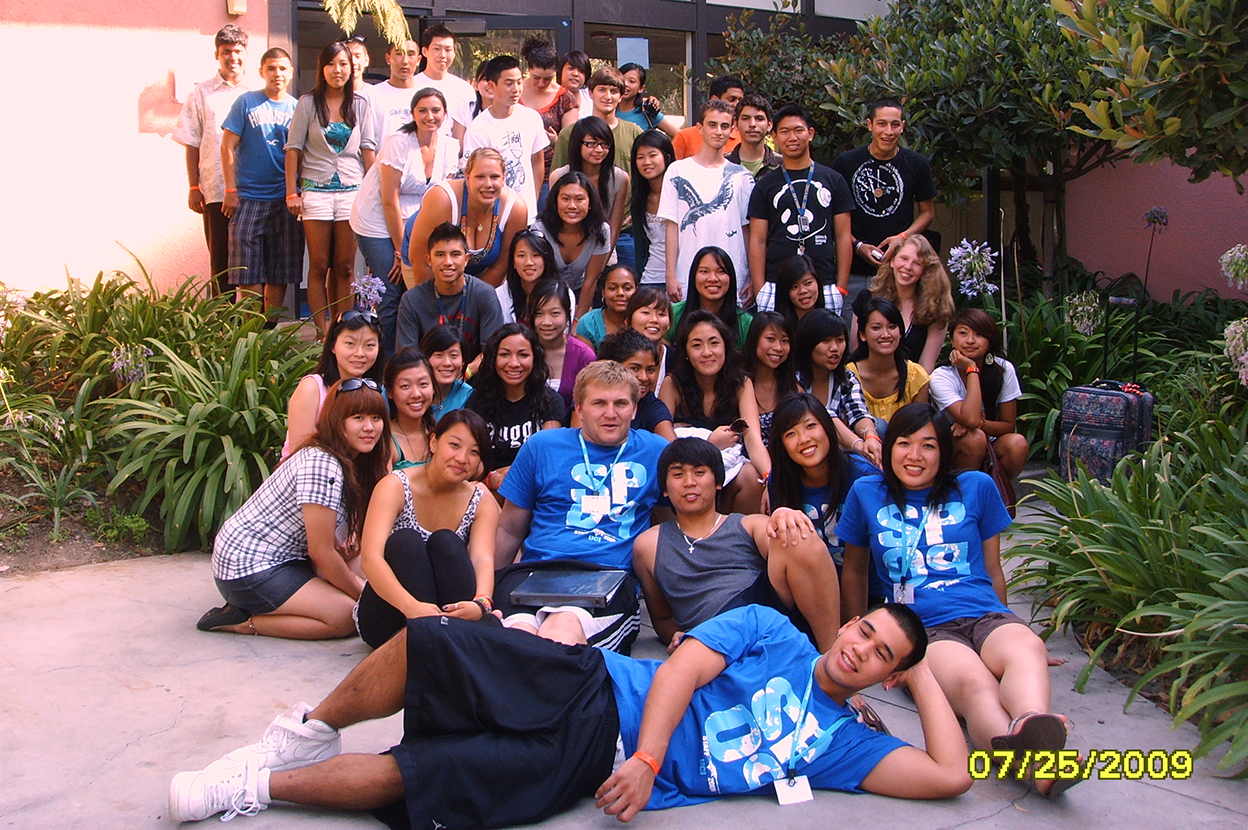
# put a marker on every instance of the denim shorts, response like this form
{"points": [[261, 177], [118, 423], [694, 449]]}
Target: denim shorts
{"points": [[266, 591]]}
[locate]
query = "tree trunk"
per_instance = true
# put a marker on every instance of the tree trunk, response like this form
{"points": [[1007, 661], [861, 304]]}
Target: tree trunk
{"points": [[1022, 213], [1049, 186]]}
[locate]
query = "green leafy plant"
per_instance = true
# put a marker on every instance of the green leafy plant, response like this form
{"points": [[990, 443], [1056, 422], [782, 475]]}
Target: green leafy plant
{"points": [[1170, 79], [1151, 569], [113, 525], [49, 451], [202, 433]]}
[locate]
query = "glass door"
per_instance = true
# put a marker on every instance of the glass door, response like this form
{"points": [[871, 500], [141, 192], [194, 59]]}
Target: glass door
{"points": [[482, 37]]}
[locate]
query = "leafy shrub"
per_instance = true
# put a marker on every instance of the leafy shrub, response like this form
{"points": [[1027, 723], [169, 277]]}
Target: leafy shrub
{"points": [[202, 433], [113, 525], [1152, 569], [67, 338], [50, 452]]}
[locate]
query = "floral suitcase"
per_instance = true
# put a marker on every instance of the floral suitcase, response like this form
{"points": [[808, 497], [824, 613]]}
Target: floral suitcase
{"points": [[1101, 424]]}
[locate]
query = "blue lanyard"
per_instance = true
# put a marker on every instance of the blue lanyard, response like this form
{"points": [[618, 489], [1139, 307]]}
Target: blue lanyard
{"points": [[791, 770], [594, 483], [803, 227], [801, 720], [910, 549]]}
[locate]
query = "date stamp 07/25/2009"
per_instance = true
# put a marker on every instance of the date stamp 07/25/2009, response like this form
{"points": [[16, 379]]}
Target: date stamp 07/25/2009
{"points": [[1071, 764]]}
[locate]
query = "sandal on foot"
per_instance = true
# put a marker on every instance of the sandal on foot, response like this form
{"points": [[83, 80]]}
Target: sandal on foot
{"points": [[1034, 731], [218, 618], [868, 716]]}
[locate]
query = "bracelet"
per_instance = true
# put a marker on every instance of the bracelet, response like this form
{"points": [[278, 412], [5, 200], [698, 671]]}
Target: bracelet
{"points": [[857, 245], [902, 234], [231, 190], [291, 195], [974, 370], [648, 759], [194, 187], [486, 604], [398, 255], [854, 445]]}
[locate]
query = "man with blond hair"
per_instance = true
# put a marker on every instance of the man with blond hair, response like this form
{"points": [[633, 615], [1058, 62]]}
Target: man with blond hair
{"points": [[576, 498]]}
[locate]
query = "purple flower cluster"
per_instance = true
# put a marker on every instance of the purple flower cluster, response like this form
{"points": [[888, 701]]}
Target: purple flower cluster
{"points": [[130, 363], [368, 291]]}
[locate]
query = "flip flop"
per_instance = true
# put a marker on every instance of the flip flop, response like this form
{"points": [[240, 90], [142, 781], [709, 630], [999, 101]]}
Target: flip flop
{"points": [[1060, 785], [868, 716], [1033, 731]]}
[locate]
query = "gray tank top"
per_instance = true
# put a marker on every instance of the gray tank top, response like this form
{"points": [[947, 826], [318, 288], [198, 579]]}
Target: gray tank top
{"points": [[700, 585]]}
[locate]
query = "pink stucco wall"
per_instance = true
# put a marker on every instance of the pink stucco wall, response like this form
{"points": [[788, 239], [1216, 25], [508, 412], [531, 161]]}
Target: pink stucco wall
{"points": [[1106, 229], [90, 166]]}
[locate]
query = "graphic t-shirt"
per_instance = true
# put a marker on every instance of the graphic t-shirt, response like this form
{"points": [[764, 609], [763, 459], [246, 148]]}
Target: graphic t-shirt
{"points": [[940, 552], [775, 201], [588, 513], [885, 192], [737, 734], [517, 423], [517, 137], [262, 126], [709, 206], [392, 108]]}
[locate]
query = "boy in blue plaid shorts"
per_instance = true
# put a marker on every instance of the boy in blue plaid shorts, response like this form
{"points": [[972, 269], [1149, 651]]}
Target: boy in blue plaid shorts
{"points": [[266, 240]]}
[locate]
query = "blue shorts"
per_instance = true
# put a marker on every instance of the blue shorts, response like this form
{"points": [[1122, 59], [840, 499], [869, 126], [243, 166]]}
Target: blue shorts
{"points": [[266, 591]]}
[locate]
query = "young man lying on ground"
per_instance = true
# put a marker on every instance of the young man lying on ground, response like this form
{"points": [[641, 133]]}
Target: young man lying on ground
{"points": [[505, 728]]}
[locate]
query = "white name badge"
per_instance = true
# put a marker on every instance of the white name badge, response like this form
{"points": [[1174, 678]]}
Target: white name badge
{"points": [[903, 594], [794, 791], [596, 506]]}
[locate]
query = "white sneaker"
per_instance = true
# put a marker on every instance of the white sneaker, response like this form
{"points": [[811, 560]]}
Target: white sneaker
{"points": [[232, 788], [289, 743]]}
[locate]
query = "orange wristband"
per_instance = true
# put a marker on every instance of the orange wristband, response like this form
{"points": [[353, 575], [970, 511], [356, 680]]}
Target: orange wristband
{"points": [[194, 187], [902, 234], [648, 759]]}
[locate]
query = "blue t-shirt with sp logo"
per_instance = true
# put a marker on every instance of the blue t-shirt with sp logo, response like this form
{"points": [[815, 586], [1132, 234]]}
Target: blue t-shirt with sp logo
{"points": [[940, 552], [590, 515], [737, 734]]}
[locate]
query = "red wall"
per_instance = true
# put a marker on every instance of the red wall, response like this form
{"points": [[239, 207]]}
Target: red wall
{"points": [[1107, 232]]}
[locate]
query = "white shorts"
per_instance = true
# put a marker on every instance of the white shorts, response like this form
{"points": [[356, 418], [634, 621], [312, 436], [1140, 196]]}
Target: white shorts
{"points": [[327, 205]]}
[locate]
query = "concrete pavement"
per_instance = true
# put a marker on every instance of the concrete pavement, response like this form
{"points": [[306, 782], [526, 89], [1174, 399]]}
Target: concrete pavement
{"points": [[107, 690]]}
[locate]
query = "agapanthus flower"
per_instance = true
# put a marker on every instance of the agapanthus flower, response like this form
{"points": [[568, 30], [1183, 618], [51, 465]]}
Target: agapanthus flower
{"points": [[368, 291], [972, 263], [1235, 266]]}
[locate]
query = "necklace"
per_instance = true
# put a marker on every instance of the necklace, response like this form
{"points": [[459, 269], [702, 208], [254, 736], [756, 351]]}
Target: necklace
{"points": [[803, 223], [692, 542]]}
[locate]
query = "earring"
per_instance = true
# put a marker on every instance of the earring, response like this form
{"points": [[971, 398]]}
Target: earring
{"points": [[989, 359]]}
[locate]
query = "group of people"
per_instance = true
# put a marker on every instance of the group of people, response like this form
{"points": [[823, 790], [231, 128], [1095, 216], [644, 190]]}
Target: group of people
{"points": [[798, 499]]}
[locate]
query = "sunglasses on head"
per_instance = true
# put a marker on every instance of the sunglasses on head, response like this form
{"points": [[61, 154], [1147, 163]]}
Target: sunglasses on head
{"points": [[351, 384], [354, 314], [352, 39]]}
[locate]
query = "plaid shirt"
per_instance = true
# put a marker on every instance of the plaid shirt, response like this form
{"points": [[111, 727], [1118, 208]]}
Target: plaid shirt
{"points": [[268, 530], [847, 402]]}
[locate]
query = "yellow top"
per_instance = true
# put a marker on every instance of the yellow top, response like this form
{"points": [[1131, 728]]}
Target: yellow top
{"points": [[884, 408]]}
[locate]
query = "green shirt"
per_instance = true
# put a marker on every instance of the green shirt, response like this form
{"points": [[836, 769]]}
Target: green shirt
{"points": [[744, 319]]}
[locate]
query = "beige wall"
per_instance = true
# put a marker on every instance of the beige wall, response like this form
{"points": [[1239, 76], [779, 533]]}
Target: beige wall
{"points": [[89, 164], [1106, 229]]}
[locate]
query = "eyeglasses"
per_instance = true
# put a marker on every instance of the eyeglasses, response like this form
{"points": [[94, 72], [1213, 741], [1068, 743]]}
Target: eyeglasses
{"points": [[594, 145], [351, 384], [355, 314]]}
